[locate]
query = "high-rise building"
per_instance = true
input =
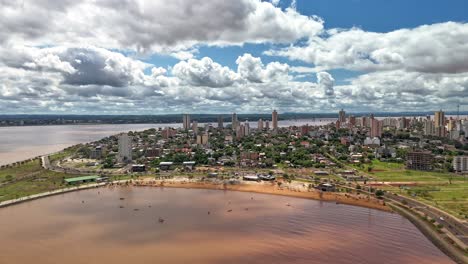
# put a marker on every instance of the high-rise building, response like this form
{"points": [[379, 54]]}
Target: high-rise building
{"points": [[439, 123], [240, 131], [246, 128], [274, 120], [125, 148], [234, 121], [202, 139], [352, 120], [220, 121], [267, 125], [168, 132], [460, 163], [260, 124], [439, 118], [419, 160], [342, 116], [451, 125], [403, 123], [376, 128], [194, 126], [186, 121], [428, 127], [364, 121]]}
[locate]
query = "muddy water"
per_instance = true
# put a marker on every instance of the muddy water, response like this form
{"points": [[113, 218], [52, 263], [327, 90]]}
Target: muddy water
{"points": [[96, 226]]}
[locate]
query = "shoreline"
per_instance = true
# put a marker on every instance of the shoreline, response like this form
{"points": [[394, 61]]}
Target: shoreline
{"points": [[296, 191], [47, 194], [443, 245]]}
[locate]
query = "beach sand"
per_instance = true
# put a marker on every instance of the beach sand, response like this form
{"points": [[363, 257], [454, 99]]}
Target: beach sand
{"points": [[298, 190]]}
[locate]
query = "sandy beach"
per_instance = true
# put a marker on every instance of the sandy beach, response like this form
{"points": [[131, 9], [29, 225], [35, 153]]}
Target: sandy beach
{"points": [[298, 190]]}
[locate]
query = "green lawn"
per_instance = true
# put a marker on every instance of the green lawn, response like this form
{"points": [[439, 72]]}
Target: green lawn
{"points": [[29, 178], [20, 171], [396, 172], [63, 154]]}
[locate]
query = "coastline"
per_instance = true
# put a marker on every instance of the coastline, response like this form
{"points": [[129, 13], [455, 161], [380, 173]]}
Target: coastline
{"points": [[47, 194], [451, 251], [296, 191]]}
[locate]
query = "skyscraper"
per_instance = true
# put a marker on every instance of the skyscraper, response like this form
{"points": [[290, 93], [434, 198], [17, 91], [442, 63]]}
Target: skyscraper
{"points": [[194, 126], [342, 116], [220, 121], [439, 123], [234, 121], [274, 120], [376, 128], [186, 121], [260, 124], [246, 128], [125, 148]]}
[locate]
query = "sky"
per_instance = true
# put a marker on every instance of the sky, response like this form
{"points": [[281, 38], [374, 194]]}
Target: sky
{"points": [[245, 56]]}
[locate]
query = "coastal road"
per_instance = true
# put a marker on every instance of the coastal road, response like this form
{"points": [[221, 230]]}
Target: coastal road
{"points": [[455, 226]]}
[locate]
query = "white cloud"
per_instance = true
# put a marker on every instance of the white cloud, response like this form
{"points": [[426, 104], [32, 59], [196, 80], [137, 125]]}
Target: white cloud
{"points": [[326, 83], [204, 72], [437, 48], [252, 69], [172, 27]]}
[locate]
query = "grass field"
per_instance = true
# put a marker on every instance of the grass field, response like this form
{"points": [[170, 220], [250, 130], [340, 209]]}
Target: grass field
{"points": [[396, 172], [447, 191], [28, 178], [20, 171]]}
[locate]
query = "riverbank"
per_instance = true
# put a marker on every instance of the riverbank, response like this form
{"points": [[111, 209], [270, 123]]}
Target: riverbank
{"points": [[450, 250], [47, 194], [298, 190]]}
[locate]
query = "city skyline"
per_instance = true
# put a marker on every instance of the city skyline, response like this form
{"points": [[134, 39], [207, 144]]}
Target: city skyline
{"points": [[306, 57]]}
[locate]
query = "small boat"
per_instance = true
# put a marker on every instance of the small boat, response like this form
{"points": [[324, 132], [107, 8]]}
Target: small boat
{"points": [[230, 210], [160, 220]]}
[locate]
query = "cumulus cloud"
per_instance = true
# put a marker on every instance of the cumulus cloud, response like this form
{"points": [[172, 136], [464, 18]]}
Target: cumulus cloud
{"points": [[204, 72], [252, 69], [78, 65], [149, 25], [190, 84], [71, 56], [326, 83], [405, 91], [437, 48]]}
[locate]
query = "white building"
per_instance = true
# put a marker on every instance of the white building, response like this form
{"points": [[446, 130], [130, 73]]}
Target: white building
{"points": [[125, 148], [460, 163], [375, 141]]}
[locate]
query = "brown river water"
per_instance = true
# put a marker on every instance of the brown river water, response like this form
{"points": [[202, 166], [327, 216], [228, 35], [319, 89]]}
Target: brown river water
{"points": [[96, 226]]}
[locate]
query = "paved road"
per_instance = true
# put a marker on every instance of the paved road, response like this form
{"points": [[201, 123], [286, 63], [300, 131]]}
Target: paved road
{"points": [[456, 227]]}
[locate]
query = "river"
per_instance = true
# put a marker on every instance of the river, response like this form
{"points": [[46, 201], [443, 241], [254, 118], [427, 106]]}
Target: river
{"points": [[96, 226]]}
